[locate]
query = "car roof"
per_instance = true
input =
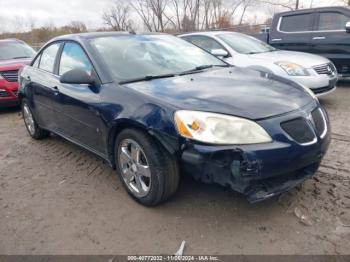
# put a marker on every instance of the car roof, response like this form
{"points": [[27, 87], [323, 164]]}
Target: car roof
{"points": [[211, 33], [91, 35], [316, 9], [11, 40]]}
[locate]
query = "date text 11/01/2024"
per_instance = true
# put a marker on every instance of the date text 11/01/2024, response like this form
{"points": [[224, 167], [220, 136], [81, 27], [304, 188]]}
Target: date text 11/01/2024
{"points": [[173, 258]]}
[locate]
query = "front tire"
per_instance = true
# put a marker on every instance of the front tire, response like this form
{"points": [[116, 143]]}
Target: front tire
{"points": [[32, 126], [148, 172]]}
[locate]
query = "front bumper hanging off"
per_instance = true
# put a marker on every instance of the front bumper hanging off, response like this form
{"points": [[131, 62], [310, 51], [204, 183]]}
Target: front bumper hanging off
{"points": [[258, 171]]}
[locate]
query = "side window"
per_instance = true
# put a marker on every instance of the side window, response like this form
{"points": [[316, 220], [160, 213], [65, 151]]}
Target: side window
{"points": [[48, 57], [37, 61], [74, 57], [297, 23], [332, 21], [206, 43]]}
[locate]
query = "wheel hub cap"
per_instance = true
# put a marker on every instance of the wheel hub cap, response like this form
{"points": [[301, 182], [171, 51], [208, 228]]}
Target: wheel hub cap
{"points": [[28, 119], [134, 167]]}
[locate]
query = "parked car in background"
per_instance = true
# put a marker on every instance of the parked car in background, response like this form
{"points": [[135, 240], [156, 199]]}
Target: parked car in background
{"points": [[315, 72], [323, 31], [153, 104], [14, 54]]}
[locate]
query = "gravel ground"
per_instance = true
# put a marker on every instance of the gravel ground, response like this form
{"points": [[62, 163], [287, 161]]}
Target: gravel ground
{"points": [[58, 199]]}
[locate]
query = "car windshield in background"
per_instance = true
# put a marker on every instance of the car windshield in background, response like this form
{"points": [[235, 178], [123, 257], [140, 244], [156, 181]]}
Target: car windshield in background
{"points": [[246, 44], [133, 57], [15, 50]]}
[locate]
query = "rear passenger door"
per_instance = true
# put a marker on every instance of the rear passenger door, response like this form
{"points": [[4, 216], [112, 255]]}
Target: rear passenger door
{"points": [[331, 40], [44, 82], [293, 32]]}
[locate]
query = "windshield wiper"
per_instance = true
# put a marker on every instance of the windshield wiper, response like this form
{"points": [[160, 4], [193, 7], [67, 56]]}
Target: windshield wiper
{"points": [[20, 57], [200, 68], [145, 78]]}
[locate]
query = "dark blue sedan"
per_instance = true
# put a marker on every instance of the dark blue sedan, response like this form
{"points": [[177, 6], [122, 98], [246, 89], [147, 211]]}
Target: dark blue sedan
{"points": [[155, 106]]}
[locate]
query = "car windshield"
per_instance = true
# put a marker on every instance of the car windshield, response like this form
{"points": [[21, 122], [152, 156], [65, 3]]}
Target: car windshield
{"points": [[245, 44], [138, 56], [15, 50]]}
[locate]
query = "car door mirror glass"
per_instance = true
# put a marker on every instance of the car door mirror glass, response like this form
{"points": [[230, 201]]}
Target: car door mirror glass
{"points": [[77, 76], [220, 53], [347, 27]]}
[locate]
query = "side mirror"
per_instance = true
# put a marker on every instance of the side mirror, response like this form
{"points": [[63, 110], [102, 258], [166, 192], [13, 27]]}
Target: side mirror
{"points": [[347, 27], [78, 77], [220, 53]]}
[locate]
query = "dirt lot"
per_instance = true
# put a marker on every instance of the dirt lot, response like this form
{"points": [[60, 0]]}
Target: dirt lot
{"points": [[58, 199]]}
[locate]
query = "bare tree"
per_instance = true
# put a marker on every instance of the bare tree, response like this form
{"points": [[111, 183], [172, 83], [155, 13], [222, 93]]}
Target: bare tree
{"points": [[118, 17], [245, 5], [152, 13], [287, 4], [75, 27]]}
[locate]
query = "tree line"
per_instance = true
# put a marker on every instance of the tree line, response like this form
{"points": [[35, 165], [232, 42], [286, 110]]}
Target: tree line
{"points": [[172, 16], [193, 15]]}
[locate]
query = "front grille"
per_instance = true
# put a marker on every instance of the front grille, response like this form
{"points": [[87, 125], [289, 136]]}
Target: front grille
{"points": [[326, 69], [319, 122], [10, 76], [323, 89], [345, 70], [299, 130], [4, 93]]}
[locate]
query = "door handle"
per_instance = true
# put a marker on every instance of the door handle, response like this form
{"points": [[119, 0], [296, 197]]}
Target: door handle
{"points": [[318, 38], [276, 39], [56, 91]]}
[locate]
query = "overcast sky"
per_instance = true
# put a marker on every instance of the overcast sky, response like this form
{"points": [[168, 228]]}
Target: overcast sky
{"points": [[61, 12]]}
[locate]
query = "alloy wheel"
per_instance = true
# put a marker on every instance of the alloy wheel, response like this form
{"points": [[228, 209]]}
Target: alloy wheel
{"points": [[134, 167], [28, 119]]}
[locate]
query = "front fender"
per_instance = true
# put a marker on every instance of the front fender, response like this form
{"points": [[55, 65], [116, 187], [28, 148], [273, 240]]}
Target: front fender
{"points": [[149, 118]]}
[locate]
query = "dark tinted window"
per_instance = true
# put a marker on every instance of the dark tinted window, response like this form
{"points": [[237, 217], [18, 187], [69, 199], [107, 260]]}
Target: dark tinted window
{"points": [[297, 23], [48, 56], [332, 21], [205, 42], [74, 57]]}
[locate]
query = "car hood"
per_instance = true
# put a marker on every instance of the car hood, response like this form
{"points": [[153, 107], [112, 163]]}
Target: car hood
{"points": [[304, 59], [233, 91], [13, 64]]}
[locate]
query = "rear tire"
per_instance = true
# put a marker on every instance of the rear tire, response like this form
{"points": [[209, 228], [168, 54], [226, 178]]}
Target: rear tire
{"points": [[148, 172], [32, 126]]}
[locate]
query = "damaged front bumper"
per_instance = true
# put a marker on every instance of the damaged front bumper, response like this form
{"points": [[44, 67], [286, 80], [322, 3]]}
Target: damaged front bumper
{"points": [[258, 171]]}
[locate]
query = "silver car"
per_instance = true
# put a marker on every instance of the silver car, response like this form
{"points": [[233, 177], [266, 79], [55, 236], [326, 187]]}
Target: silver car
{"points": [[313, 71]]}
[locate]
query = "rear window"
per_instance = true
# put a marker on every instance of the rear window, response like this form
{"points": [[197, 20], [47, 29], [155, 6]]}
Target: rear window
{"points": [[15, 50], [332, 21], [297, 23]]}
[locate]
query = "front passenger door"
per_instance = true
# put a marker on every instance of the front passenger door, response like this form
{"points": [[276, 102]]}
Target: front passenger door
{"points": [[79, 116]]}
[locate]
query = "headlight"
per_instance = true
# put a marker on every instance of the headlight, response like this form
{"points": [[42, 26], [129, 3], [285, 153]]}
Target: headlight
{"points": [[219, 129], [293, 69]]}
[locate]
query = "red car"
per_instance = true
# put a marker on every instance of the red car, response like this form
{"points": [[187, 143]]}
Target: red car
{"points": [[14, 54]]}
